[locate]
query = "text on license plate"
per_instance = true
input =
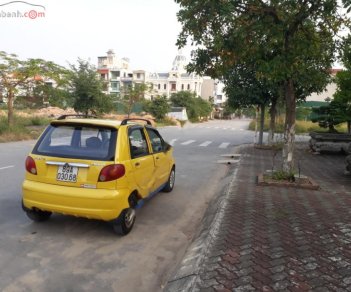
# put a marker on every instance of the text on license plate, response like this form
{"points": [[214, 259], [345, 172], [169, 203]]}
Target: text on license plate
{"points": [[67, 173]]}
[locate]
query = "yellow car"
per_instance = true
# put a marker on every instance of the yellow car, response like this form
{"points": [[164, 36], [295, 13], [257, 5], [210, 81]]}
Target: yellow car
{"points": [[98, 169]]}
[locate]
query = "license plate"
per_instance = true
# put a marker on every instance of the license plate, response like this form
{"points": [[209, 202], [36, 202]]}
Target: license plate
{"points": [[67, 173]]}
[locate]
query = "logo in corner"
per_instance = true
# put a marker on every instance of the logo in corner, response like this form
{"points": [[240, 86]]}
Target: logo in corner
{"points": [[21, 9]]}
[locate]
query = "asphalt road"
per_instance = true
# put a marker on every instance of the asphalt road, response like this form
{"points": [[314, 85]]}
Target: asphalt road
{"points": [[75, 254]]}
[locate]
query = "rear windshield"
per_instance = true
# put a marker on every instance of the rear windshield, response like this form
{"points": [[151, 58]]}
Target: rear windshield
{"points": [[78, 141]]}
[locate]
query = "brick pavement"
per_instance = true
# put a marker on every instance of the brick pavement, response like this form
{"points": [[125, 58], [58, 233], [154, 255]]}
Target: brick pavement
{"points": [[268, 238]]}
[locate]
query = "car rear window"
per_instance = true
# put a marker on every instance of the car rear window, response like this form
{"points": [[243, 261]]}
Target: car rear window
{"points": [[78, 141]]}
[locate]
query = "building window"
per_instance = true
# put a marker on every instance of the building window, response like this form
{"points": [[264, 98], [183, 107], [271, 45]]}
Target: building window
{"points": [[182, 86], [164, 86], [115, 86], [138, 75], [188, 86], [173, 87], [115, 74], [103, 76], [159, 86], [195, 86], [219, 97]]}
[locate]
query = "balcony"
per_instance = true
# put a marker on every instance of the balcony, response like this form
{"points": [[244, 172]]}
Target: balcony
{"points": [[126, 79]]}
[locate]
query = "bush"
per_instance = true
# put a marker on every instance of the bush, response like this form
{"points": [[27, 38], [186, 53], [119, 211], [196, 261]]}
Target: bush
{"points": [[196, 107], [159, 107], [300, 127], [283, 175], [20, 130], [166, 122], [39, 121]]}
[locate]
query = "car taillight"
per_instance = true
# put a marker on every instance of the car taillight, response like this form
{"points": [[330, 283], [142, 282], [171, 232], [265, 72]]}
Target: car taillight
{"points": [[111, 172], [30, 165]]}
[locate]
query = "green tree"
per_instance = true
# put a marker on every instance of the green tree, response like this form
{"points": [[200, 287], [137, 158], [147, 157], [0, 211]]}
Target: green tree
{"points": [[328, 116], [292, 43], [132, 94], [19, 76], [87, 90], [244, 90], [203, 108], [183, 98], [159, 107], [342, 95], [46, 94], [195, 106]]}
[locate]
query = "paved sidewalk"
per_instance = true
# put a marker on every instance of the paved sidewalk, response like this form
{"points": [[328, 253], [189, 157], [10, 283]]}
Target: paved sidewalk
{"points": [[266, 238]]}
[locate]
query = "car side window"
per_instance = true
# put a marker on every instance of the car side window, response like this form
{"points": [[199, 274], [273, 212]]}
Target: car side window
{"points": [[137, 142], [156, 141]]}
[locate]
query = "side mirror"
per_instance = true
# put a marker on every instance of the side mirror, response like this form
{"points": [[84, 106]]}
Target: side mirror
{"points": [[167, 147]]}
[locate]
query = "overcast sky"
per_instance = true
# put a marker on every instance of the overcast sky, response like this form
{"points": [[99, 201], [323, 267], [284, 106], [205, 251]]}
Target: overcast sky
{"points": [[145, 31]]}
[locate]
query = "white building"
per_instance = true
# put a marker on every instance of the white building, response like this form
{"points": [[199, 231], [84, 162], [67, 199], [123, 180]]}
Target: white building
{"points": [[175, 80], [115, 72]]}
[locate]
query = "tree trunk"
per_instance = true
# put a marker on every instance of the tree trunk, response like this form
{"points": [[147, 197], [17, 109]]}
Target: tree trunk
{"points": [[260, 137], [273, 113], [289, 134], [10, 115], [349, 127], [256, 124]]}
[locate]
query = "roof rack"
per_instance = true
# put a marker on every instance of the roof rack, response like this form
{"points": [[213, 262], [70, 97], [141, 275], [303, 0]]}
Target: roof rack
{"points": [[125, 121], [63, 117]]}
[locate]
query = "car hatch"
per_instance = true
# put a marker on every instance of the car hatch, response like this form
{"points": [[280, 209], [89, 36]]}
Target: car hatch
{"points": [[74, 155]]}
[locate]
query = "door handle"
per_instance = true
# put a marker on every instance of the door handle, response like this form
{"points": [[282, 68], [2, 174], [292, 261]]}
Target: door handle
{"points": [[157, 158], [137, 164]]}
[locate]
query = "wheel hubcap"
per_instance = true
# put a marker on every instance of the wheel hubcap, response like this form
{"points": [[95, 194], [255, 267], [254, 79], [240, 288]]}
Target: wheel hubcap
{"points": [[172, 179], [129, 217]]}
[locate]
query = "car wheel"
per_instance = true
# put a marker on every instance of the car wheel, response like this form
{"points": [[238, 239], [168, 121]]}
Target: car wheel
{"points": [[125, 222], [38, 215], [170, 183]]}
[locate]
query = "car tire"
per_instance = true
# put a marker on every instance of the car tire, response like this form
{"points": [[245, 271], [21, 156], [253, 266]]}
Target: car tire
{"points": [[125, 222], [170, 183], [38, 215]]}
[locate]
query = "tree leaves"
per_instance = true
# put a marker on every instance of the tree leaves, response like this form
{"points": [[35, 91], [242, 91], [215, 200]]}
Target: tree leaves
{"points": [[87, 90]]}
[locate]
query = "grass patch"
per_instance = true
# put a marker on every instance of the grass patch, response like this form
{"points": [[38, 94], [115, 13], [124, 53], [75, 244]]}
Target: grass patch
{"points": [[301, 127], [166, 122], [24, 128]]}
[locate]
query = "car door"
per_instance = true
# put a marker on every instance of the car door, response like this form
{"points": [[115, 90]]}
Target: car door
{"points": [[142, 161], [161, 159]]}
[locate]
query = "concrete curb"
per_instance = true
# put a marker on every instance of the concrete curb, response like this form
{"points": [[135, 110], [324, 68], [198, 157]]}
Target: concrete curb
{"points": [[187, 274]]}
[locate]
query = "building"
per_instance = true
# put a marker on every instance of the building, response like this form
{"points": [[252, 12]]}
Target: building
{"points": [[213, 90], [175, 80], [329, 91], [115, 72]]}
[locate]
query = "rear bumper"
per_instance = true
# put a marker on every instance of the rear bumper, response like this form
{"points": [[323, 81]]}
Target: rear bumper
{"points": [[81, 202]]}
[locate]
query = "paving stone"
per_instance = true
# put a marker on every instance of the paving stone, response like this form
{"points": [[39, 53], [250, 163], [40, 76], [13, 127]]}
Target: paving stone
{"points": [[277, 238], [244, 288], [280, 285], [208, 283], [210, 289], [277, 269], [244, 272], [279, 277]]}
